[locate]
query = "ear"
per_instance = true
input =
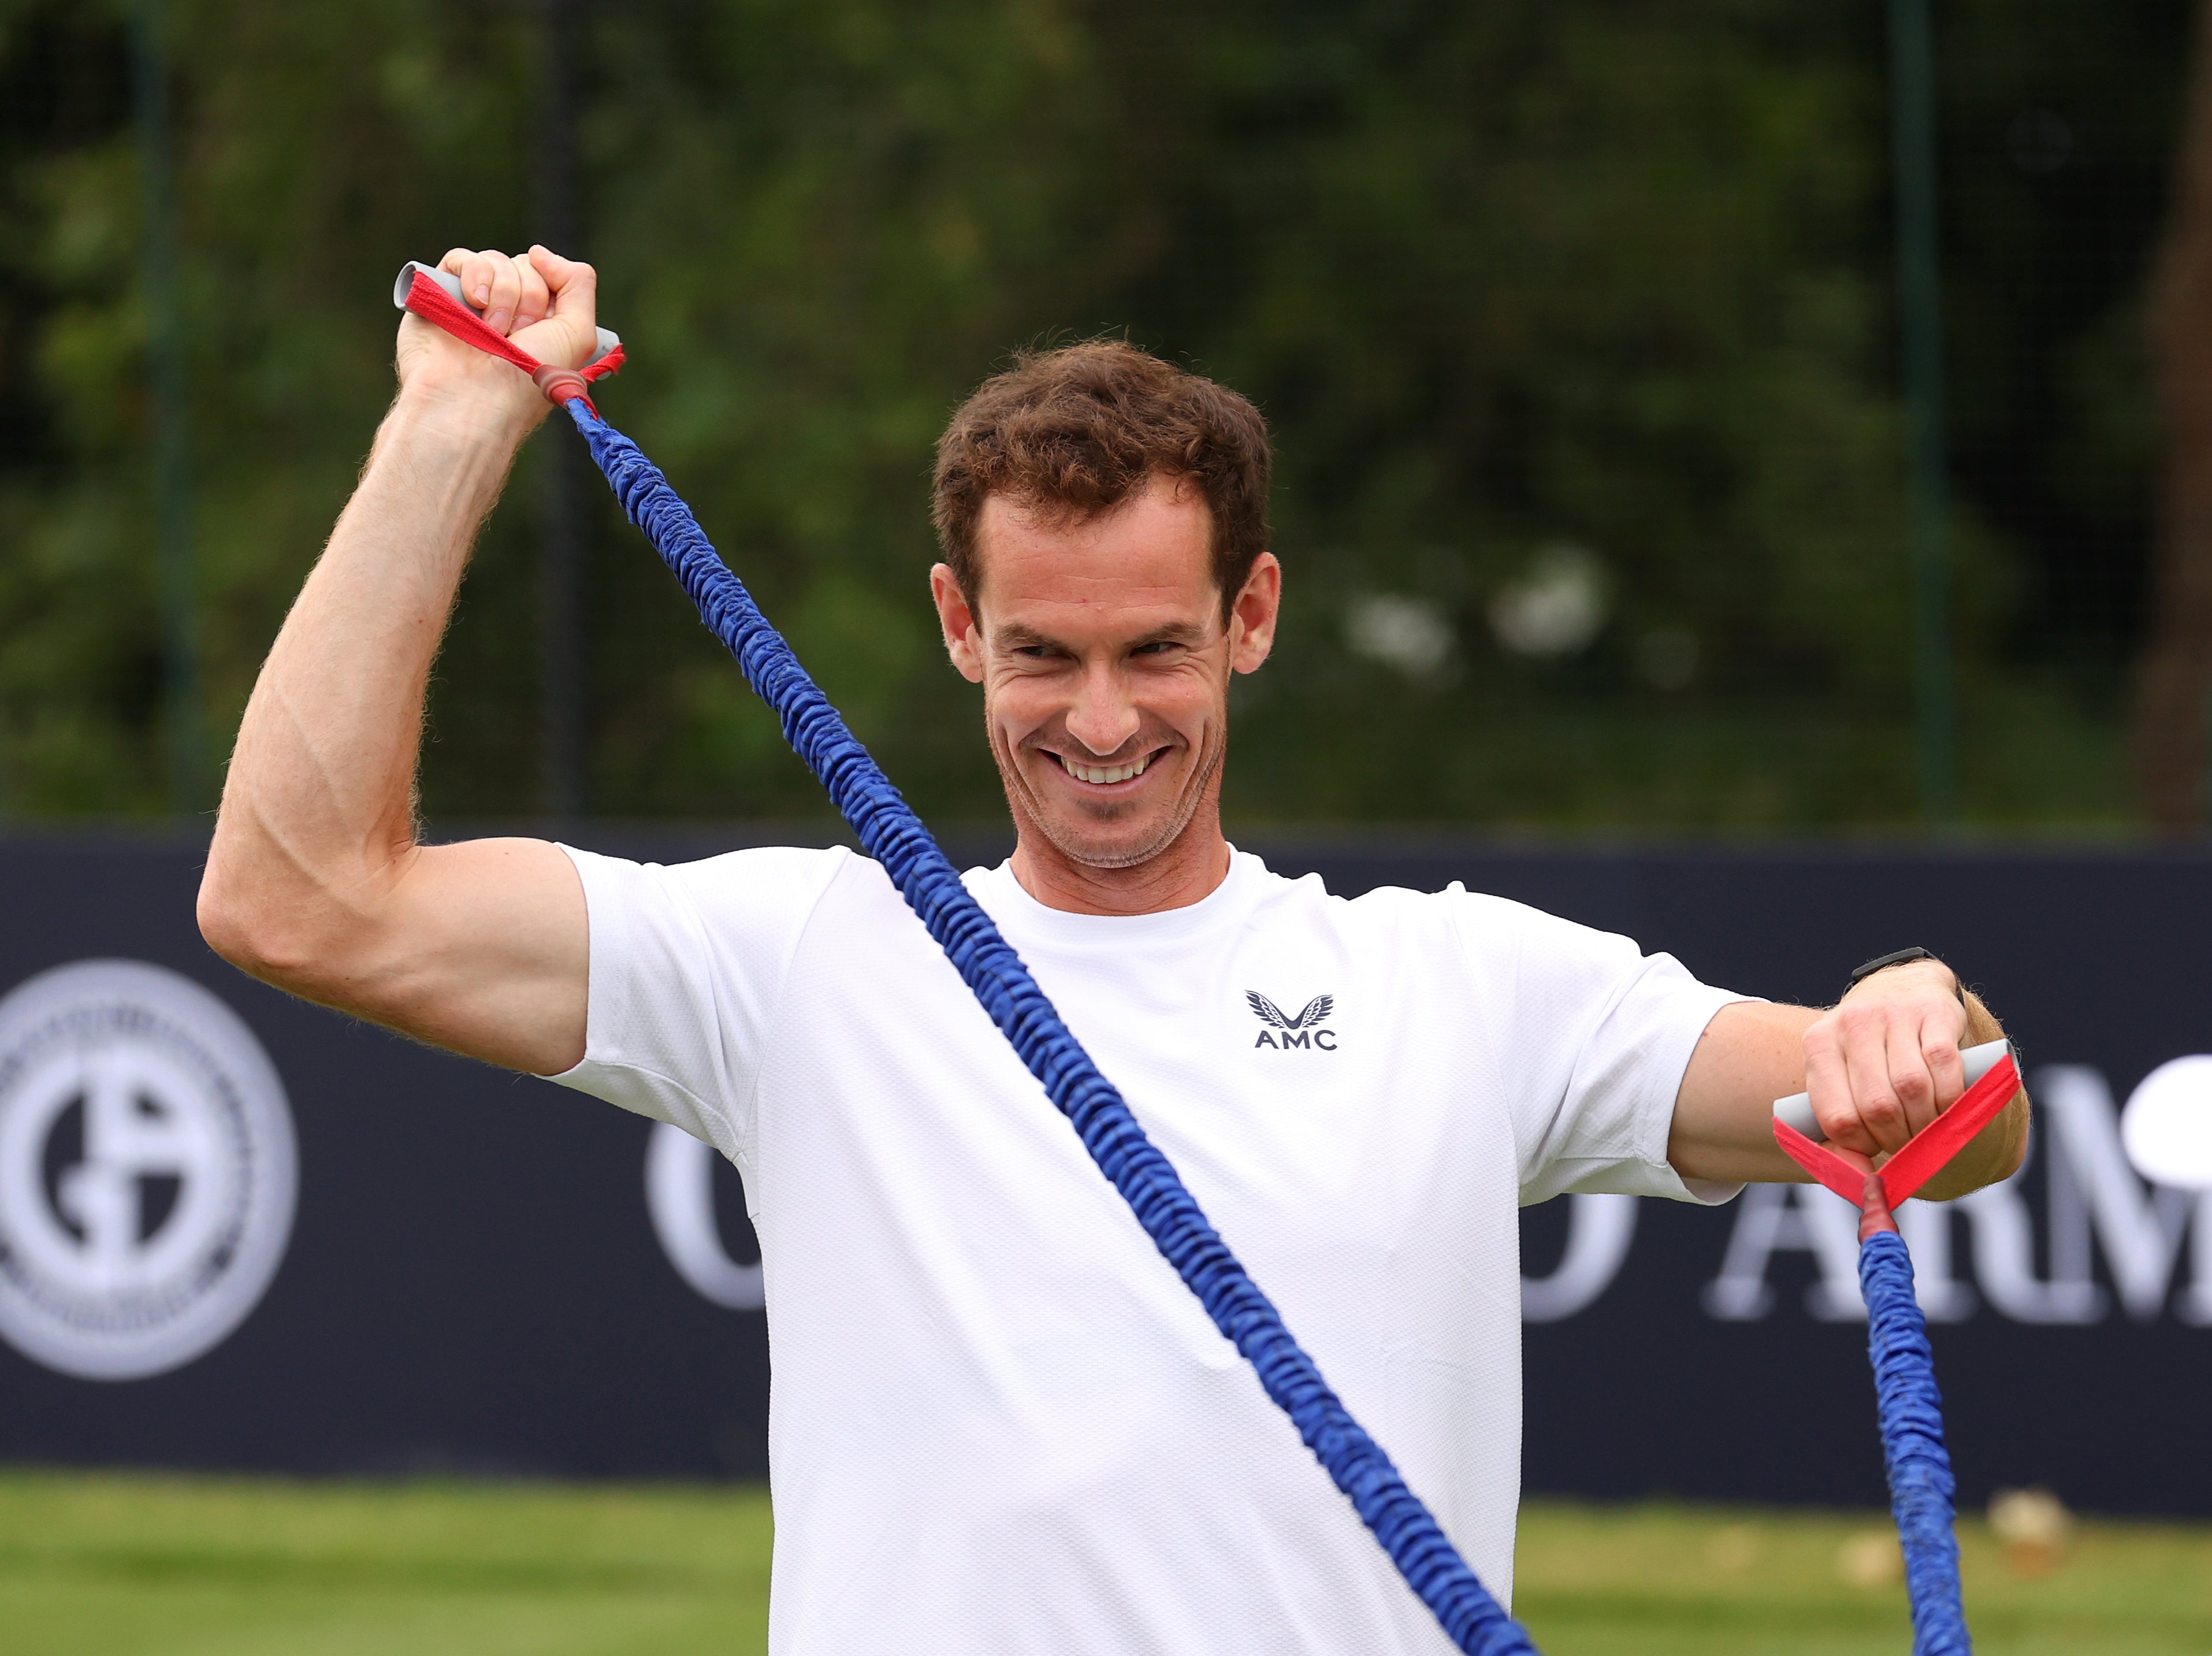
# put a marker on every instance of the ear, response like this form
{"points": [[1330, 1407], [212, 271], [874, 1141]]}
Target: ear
{"points": [[1252, 617], [962, 641]]}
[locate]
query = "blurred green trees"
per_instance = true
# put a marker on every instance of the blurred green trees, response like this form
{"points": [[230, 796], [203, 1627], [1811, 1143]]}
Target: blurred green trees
{"points": [[1572, 321]]}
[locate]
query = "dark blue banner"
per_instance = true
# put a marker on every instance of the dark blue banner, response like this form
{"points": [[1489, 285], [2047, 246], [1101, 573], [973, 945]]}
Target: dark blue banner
{"points": [[239, 1232]]}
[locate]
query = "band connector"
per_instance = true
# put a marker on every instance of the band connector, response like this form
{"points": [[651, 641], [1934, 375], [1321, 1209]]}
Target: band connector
{"points": [[559, 384]]}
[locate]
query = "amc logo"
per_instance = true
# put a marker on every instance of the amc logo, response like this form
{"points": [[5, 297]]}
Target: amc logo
{"points": [[1285, 1031]]}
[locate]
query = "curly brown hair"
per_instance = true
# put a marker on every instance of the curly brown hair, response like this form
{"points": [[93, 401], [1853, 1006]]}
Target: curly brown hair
{"points": [[1074, 431]]}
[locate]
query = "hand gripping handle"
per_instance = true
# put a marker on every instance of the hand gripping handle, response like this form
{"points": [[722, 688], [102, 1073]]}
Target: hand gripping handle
{"points": [[1797, 1108], [609, 339], [1998, 1067]]}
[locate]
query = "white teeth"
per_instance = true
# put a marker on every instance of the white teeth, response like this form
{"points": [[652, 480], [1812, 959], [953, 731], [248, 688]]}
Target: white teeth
{"points": [[1102, 775]]}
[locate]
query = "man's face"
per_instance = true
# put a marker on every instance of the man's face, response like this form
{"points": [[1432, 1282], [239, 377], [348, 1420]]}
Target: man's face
{"points": [[1104, 660]]}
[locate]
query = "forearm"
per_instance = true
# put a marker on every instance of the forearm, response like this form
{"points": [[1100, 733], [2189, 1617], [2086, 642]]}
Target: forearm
{"points": [[318, 810], [1751, 1054]]}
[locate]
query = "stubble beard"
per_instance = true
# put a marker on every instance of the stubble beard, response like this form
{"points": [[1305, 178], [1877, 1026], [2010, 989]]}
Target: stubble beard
{"points": [[1030, 809]]}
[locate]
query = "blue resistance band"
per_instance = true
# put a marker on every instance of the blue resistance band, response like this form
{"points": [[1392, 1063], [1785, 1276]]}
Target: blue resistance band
{"points": [[1905, 1376], [1920, 1485], [895, 836]]}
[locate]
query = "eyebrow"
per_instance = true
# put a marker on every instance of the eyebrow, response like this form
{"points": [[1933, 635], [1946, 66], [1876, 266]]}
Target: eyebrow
{"points": [[1015, 635]]}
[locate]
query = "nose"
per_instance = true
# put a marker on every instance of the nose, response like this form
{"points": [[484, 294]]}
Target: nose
{"points": [[1103, 718]]}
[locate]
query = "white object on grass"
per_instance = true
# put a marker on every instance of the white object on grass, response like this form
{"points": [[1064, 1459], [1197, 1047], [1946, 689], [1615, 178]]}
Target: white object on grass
{"points": [[1797, 1108]]}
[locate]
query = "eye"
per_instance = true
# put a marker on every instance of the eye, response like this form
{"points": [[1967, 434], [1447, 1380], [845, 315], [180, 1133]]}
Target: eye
{"points": [[1159, 647]]}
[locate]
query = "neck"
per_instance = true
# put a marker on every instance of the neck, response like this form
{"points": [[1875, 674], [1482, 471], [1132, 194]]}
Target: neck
{"points": [[1185, 873]]}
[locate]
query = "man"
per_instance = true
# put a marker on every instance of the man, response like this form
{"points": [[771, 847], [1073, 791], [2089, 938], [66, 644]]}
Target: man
{"points": [[1000, 1422]]}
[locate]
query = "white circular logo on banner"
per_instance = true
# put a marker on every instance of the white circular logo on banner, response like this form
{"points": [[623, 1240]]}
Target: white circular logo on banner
{"points": [[2167, 1125], [146, 1170]]}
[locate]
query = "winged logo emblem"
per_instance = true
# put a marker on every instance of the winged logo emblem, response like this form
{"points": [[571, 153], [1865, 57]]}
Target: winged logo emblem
{"points": [[1268, 1012]]}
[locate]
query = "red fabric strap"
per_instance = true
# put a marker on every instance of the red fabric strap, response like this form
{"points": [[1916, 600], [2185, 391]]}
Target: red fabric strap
{"points": [[610, 364], [1925, 1156], [433, 304], [1824, 1164]]}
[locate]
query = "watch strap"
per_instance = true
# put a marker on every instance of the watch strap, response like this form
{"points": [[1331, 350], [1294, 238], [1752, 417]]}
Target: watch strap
{"points": [[1898, 957]]}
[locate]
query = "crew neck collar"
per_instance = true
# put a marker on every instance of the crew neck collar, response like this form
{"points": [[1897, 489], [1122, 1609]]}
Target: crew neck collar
{"points": [[1011, 904]]}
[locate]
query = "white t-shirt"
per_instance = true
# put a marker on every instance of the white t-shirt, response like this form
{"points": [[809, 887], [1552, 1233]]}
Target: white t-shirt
{"points": [[1000, 1423]]}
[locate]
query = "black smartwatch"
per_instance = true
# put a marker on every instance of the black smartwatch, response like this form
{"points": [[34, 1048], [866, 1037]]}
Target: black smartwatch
{"points": [[1883, 962]]}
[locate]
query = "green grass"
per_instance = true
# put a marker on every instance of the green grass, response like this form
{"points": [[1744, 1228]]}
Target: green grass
{"points": [[131, 1566], [136, 1565], [1657, 1581]]}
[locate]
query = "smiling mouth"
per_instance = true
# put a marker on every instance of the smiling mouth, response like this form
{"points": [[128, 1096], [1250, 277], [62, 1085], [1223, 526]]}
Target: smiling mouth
{"points": [[1104, 776]]}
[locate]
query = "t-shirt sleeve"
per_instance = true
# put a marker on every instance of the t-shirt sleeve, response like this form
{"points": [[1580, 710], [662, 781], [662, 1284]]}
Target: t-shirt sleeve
{"points": [[1600, 1037], [687, 963]]}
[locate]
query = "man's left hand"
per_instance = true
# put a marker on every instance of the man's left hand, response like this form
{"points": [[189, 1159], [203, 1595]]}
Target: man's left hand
{"points": [[1883, 1062]]}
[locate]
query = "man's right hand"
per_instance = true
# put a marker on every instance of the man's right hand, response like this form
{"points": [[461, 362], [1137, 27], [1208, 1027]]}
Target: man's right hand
{"points": [[546, 303]]}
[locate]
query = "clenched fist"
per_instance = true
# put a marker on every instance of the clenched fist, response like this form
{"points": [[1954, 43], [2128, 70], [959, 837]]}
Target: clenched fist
{"points": [[546, 303]]}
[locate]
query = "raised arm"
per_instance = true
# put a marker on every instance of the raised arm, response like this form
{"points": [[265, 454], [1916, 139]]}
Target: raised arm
{"points": [[1881, 1065], [314, 881]]}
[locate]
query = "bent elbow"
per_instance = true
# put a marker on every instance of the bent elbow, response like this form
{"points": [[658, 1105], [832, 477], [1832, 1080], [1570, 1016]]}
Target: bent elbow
{"points": [[252, 931], [231, 925], [222, 922]]}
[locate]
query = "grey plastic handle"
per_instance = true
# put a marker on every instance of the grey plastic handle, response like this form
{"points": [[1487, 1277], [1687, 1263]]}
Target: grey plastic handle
{"points": [[608, 338], [1797, 1108]]}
